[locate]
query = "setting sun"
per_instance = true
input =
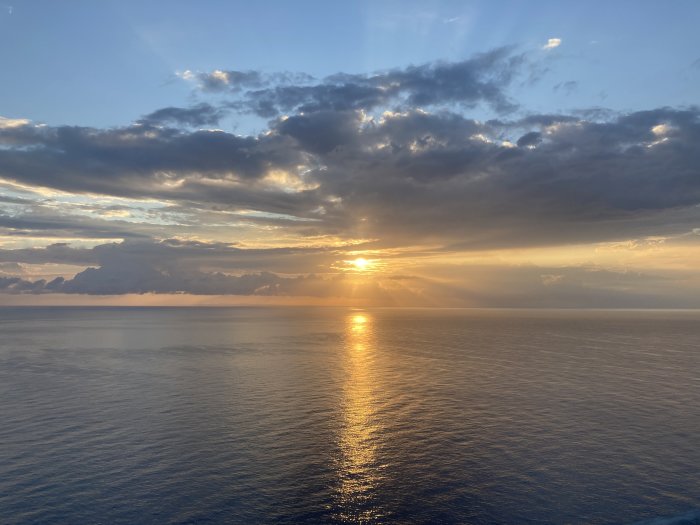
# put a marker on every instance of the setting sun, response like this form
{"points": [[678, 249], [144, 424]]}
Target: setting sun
{"points": [[361, 263]]}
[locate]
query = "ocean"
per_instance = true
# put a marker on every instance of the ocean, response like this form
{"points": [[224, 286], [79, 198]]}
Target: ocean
{"points": [[341, 415]]}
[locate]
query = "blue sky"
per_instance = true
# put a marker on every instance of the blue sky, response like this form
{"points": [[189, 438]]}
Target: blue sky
{"points": [[107, 63]]}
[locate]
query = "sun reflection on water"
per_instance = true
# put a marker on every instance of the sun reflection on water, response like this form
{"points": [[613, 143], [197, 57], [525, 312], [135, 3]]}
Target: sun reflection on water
{"points": [[361, 433]]}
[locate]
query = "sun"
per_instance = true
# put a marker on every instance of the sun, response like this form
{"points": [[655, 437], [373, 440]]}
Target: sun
{"points": [[360, 263]]}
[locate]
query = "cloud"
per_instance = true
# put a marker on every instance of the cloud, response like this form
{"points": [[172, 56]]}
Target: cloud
{"points": [[58, 253], [552, 43], [173, 267], [6, 123], [140, 267], [579, 180], [52, 225], [389, 161], [11, 268], [142, 161], [570, 178], [530, 139], [236, 81], [196, 116], [480, 79], [171, 253], [322, 131]]}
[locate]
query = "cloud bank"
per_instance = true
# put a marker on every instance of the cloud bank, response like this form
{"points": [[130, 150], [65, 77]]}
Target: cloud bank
{"points": [[393, 163]]}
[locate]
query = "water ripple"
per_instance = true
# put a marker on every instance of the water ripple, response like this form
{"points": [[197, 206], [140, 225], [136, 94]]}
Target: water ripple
{"points": [[348, 416]]}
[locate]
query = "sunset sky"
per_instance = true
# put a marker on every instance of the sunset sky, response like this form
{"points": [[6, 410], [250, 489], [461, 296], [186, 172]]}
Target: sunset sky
{"points": [[476, 154]]}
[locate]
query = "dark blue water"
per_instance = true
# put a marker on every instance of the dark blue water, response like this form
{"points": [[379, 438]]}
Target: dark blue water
{"points": [[293, 415]]}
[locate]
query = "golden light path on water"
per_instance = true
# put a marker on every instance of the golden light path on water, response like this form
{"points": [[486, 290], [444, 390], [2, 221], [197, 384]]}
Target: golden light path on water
{"points": [[361, 433]]}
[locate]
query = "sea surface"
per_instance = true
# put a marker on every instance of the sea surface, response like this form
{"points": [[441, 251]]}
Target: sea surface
{"points": [[310, 415]]}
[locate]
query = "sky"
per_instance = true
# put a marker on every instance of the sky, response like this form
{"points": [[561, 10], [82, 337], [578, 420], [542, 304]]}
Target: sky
{"points": [[379, 153]]}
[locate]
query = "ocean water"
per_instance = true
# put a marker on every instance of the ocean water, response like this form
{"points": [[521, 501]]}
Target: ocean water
{"points": [[307, 415]]}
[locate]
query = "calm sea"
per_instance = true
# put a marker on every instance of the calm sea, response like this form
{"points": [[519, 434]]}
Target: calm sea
{"points": [[303, 415]]}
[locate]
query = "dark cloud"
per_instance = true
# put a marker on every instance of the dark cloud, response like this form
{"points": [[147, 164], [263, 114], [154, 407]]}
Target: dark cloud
{"points": [[323, 131], [434, 177], [132, 276], [148, 162], [57, 253], [170, 266], [19, 285], [76, 157], [440, 176], [196, 116], [44, 225], [171, 253], [531, 138], [14, 200], [481, 79]]}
